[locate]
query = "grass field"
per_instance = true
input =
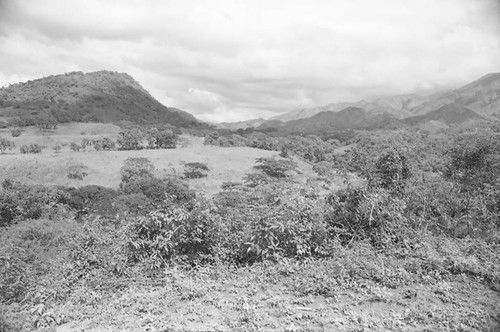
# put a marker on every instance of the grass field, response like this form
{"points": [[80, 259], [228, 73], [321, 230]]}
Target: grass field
{"points": [[51, 168]]}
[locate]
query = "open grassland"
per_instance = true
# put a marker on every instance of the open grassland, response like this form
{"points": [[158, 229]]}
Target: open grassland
{"points": [[51, 168]]}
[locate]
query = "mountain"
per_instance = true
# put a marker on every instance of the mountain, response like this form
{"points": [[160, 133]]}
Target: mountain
{"points": [[399, 106], [481, 96], [240, 125], [348, 118], [102, 96], [450, 114]]}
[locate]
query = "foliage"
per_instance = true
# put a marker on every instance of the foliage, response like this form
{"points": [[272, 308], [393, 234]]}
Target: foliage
{"points": [[134, 168], [75, 147], [46, 123], [195, 170], [359, 214], [275, 168], [130, 139], [5, 144], [77, 171], [32, 148], [57, 148], [16, 132], [22, 201], [92, 200], [161, 139], [392, 170], [105, 144]]}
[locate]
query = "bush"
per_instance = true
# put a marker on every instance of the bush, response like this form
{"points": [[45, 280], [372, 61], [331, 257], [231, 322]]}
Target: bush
{"points": [[6, 144], [92, 200], [57, 148], [135, 168], [195, 170], [77, 172], [130, 139], [360, 214], [32, 148], [275, 168], [21, 201], [75, 147], [16, 132]]}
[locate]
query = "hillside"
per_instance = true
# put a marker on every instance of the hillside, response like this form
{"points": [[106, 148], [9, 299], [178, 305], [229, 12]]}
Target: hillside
{"points": [[450, 114], [348, 118], [240, 124], [101, 96], [481, 96]]}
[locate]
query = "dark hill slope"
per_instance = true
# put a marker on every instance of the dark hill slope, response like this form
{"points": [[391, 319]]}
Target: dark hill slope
{"points": [[102, 96], [451, 114], [348, 118], [481, 96]]}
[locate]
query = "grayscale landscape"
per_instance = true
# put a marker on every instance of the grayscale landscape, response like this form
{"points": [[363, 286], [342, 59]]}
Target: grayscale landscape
{"points": [[249, 166]]}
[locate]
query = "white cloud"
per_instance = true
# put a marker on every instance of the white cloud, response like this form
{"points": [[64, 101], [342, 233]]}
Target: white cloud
{"points": [[245, 58]]}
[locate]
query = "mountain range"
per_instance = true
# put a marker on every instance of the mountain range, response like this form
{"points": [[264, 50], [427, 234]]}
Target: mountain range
{"points": [[102, 96], [477, 101]]}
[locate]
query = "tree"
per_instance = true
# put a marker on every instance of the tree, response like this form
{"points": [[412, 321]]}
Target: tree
{"points": [[46, 123], [162, 139], [6, 144], [130, 139], [392, 169]]}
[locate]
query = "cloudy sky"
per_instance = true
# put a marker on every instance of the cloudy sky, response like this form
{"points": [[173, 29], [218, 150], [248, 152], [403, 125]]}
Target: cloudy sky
{"points": [[229, 60]]}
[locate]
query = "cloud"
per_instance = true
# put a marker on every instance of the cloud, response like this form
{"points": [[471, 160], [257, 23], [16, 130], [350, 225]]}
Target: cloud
{"points": [[224, 59]]}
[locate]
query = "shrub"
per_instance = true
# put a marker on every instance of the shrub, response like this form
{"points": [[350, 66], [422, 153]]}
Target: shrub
{"points": [[32, 148], [77, 171], [130, 139], [275, 168], [195, 170], [57, 148], [92, 200], [75, 147], [359, 214], [134, 168], [161, 139], [392, 170], [6, 144], [21, 201], [16, 132]]}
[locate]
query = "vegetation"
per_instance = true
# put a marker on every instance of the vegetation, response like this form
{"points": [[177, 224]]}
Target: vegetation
{"points": [[195, 170], [422, 219], [5, 144], [32, 148]]}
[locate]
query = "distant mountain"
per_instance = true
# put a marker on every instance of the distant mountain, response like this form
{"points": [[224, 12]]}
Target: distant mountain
{"points": [[348, 118], [451, 114], [240, 125], [399, 106], [102, 96], [481, 96]]}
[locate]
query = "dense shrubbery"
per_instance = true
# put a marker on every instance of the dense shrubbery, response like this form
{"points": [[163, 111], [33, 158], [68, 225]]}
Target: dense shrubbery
{"points": [[21, 201], [32, 148], [195, 170]]}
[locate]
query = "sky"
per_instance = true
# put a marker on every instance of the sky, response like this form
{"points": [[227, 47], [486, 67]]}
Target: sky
{"points": [[232, 60]]}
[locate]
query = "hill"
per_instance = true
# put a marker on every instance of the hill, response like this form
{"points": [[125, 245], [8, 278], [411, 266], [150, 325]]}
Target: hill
{"points": [[348, 118], [451, 114], [102, 96], [481, 96]]}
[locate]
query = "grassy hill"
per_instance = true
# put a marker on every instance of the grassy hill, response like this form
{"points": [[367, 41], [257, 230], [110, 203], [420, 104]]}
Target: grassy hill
{"points": [[101, 96]]}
